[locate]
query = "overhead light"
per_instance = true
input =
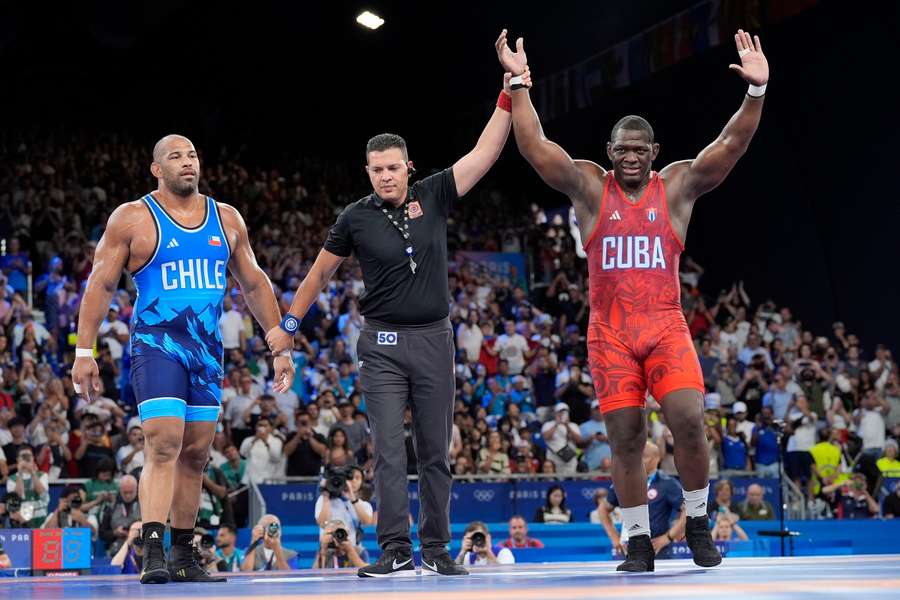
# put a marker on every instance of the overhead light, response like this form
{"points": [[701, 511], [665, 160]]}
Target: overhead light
{"points": [[370, 20]]}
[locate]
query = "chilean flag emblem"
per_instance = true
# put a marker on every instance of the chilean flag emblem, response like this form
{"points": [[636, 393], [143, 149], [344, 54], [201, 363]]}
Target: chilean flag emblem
{"points": [[215, 240], [651, 214]]}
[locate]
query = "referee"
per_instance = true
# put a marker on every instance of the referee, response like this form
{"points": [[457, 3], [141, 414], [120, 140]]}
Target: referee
{"points": [[399, 236]]}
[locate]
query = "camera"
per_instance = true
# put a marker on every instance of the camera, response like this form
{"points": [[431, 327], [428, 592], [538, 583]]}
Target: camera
{"points": [[13, 503], [75, 502], [478, 539], [207, 541], [336, 481], [340, 535], [272, 529]]}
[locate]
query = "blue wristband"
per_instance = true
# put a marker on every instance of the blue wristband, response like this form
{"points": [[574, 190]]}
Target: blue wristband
{"points": [[290, 324]]}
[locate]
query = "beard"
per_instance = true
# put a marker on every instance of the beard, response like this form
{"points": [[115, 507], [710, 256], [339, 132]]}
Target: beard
{"points": [[179, 187]]}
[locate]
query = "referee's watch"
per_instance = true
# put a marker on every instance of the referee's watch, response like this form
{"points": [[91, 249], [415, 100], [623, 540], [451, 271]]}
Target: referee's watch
{"points": [[290, 324]]}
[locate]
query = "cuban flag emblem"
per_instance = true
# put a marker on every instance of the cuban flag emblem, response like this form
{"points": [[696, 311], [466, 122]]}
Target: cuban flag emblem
{"points": [[215, 240], [651, 214]]}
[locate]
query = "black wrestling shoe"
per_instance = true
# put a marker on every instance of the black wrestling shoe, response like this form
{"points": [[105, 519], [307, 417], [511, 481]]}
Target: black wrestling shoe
{"points": [[700, 542], [391, 563], [154, 564], [184, 566], [440, 564], [640, 555]]}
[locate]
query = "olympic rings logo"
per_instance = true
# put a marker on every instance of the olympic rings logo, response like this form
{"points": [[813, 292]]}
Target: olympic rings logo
{"points": [[483, 495]]}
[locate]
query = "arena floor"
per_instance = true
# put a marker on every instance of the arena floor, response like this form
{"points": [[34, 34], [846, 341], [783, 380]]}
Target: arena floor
{"points": [[810, 577]]}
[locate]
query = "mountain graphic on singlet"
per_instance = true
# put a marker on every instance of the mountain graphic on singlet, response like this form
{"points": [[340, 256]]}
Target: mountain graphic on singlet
{"points": [[180, 293]]}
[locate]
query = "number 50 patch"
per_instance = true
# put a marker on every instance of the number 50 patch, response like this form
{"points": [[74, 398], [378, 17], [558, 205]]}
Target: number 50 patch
{"points": [[387, 338]]}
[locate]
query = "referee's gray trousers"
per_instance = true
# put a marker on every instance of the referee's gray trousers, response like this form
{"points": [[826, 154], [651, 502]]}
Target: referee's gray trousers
{"points": [[411, 365]]}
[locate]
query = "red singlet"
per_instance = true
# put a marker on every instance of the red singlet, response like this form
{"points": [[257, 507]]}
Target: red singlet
{"points": [[637, 336]]}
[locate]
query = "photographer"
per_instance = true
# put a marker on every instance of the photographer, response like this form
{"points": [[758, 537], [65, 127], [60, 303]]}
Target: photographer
{"points": [[339, 501], [32, 486], [265, 552], [263, 452], [852, 500], [130, 554], [71, 512], [205, 546], [11, 513], [478, 548], [230, 557], [336, 551]]}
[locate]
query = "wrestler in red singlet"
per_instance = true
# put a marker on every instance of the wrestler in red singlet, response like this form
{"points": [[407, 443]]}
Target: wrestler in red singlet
{"points": [[634, 221], [637, 336]]}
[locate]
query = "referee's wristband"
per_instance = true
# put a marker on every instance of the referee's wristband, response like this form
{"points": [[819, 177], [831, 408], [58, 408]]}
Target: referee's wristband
{"points": [[516, 83], [290, 324], [84, 353]]}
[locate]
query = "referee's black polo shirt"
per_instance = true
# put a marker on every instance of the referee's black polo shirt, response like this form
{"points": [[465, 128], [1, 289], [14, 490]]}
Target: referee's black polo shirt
{"points": [[393, 293]]}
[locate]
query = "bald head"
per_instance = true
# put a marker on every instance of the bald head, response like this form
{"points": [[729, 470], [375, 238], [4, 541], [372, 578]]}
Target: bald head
{"points": [[128, 488], [650, 457], [176, 165], [161, 148]]}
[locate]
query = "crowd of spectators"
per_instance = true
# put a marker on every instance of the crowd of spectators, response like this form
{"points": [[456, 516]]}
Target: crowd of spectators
{"points": [[525, 402]]}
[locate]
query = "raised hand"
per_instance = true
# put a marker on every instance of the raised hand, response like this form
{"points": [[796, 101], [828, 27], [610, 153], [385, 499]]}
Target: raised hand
{"points": [[279, 340], [514, 62], [754, 67], [526, 79]]}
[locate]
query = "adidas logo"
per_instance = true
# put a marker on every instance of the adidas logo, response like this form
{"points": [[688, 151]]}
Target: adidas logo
{"points": [[634, 527], [701, 505], [154, 536], [172, 244], [615, 216]]}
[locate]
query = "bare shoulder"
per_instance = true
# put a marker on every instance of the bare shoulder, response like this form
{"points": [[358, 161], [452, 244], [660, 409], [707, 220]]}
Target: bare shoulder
{"points": [[592, 181], [673, 176], [591, 169], [128, 217], [233, 224]]}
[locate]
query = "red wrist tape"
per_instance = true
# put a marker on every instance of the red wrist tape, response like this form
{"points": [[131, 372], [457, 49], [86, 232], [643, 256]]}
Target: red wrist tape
{"points": [[504, 102]]}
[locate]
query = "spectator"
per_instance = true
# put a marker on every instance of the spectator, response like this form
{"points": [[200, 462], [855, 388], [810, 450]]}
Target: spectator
{"points": [[594, 438], [31, 486], [492, 459], [231, 324], [735, 448], [11, 516], [469, 337], [305, 450], [131, 552], [870, 423], [514, 348], [53, 455], [215, 505], [131, 456], [801, 426], [755, 507], [117, 521], [576, 392], [828, 462], [11, 449], [778, 398], [554, 509], [336, 551], [727, 528], [71, 512], [518, 535], [664, 497], [16, 265], [478, 548], [264, 407], [263, 452], [234, 468], [265, 552], [892, 504], [888, 465], [765, 441], [852, 499], [93, 446], [101, 489], [354, 430], [600, 497], [238, 428], [724, 499], [230, 557], [561, 437]]}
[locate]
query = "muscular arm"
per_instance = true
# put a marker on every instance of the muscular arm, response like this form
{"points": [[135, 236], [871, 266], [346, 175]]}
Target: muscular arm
{"points": [[469, 169], [110, 259], [255, 284], [320, 274], [581, 180]]}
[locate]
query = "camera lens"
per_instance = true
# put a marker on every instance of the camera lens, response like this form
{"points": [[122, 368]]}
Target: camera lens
{"points": [[478, 539], [207, 541], [273, 529], [340, 535], [76, 502]]}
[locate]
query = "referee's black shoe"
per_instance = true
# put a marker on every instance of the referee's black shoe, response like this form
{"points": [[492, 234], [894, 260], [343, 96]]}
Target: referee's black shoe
{"points": [[700, 542], [184, 566], [640, 555], [440, 564], [154, 563], [391, 563]]}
